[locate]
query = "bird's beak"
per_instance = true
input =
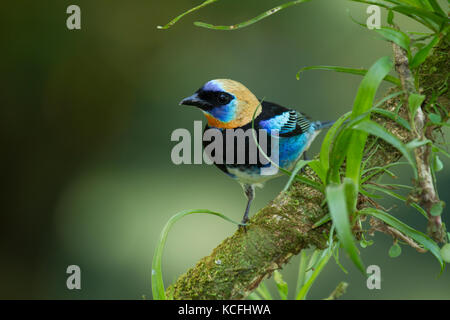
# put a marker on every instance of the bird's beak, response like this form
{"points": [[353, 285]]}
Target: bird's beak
{"points": [[195, 101]]}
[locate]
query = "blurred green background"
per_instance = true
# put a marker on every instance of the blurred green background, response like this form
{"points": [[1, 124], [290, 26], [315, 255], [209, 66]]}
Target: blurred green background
{"points": [[86, 118]]}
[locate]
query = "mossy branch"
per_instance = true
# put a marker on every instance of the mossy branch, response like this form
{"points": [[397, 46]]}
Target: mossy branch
{"points": [[285, 226]]}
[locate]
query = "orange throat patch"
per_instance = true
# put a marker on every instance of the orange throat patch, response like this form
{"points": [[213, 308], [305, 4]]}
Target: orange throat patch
{"points": [[244, 119]]}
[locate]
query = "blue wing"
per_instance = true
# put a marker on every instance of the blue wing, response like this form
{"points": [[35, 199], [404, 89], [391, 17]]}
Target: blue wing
{"points": [[288, 122]]}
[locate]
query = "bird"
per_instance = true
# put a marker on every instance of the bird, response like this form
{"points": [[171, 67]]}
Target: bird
{"points": [[228, 105]]}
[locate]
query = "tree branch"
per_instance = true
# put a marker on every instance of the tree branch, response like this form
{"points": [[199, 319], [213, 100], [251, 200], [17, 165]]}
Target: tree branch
{"points": [[279, 231], [425, 188]]}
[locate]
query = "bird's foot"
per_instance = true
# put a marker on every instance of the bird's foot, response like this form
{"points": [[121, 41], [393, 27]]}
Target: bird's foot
{"points": [[243, 225]]}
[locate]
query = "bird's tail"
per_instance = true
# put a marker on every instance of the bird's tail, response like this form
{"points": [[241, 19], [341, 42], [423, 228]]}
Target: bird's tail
{"points": [[324, 124]]}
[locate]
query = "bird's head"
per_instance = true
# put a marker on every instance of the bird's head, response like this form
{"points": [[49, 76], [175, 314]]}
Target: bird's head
{"points": [[226, 103]]}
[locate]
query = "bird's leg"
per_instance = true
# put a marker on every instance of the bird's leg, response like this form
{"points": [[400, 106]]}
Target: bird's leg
{"points": [[249, 191], [305, 156]]}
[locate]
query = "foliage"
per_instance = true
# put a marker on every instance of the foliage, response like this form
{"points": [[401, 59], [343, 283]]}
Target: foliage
{"points": [[341, 163]]}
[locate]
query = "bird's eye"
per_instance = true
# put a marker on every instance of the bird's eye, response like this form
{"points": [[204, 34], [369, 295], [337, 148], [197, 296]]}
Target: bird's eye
{"points": [[224, 98]]}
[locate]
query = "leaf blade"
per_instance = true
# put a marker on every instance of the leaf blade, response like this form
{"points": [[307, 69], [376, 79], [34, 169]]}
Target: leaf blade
{"points": [[339, 211]]}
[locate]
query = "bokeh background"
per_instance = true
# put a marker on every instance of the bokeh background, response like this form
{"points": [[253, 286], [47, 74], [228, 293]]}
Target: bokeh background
{"points": [[85, 124]]}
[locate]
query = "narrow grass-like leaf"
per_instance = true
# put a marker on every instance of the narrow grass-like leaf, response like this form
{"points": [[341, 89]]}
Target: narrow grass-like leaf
{"points": [[157, 278], [399, 197], [437, 8], [363, 103], [316, 166], [439, 149], [328, 140], [175, 20], [263, 291], [254, 296], [415, 3], [393, 116], [326, 255], [336, 259], [340, 213], [418, 14], [322, 221], [361, 72], [282, 286], [427, 18], [414, 102], [396, 36], [416, 143], [417, 236], [378, 170], [388, 97], [301, 278], [251, 21], [423, 53], [351, 194], [298, 166], [375, 129]]}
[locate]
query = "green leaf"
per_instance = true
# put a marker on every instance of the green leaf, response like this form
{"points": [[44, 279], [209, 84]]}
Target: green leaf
{"points": [[251, 21], [351, 194], [437, 8], [363, 103], [445, 252], [417, 236], [326, 255], [340, 213], [423, 53], [175, 20], [337, 155], [399, 197], [395, 250], [316, 166], [254, 296], [427, 18], [437, 163], [361, 72], [388, 97], [157, 278], [416, 143], [414, 102], [396, 36], [328, 140], [393, 116], [423, 16], [301, 278], [437, 208], [364, 243], [263, 291], [390, 17], [282, 286], [439, 149], [298, 166], [435, 118], [375, 129], [378, 170], [322, 221]]}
